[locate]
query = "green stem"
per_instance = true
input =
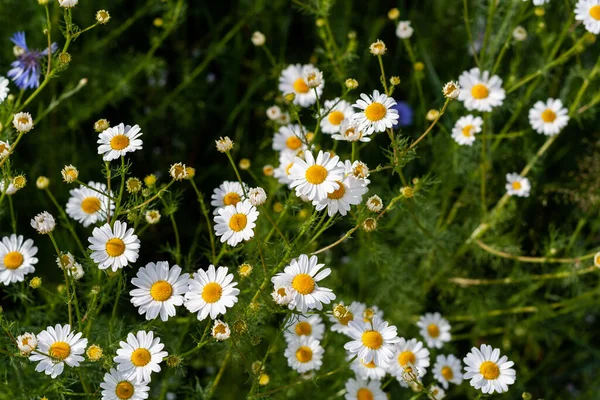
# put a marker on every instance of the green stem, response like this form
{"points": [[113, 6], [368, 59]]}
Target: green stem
{"points": [[67, 285], [67, 222]]}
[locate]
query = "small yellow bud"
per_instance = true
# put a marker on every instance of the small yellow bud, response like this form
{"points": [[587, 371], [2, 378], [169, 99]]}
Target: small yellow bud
{"points": [[150, 180], [64, 58], [351, 84], [393, 14], [19, 181], [268, 170], [42, 182], [94, 352], [278, 207], [134, 185], [43, 2], [370, 224], [245, 270], [407, 192], [539, 11], [35, 282], [191, 172], [395, 81], [432, 115], [264, 380], [158, 22], [245, 164], [419, 66], [102, 17], [289, 97], [174, 361], [320, 22], [69, 173], [101, 125], [240, 327]]}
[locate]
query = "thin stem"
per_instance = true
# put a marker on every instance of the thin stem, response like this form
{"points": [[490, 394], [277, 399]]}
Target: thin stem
{"points": [[67, 285], [465, 282], [528, 259], [151, 199], [442, 111], [468, 29], [67, 222], [237, 173], [219, 374], [383, 80], [209, 228], [340, 240], [12, 215], [120, 198]]}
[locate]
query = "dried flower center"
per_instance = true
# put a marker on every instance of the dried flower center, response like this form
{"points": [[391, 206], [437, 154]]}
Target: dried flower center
{"points": [[238, 222], [60, 350], [595, 12], [548, 115], [480, 91], [447, 373], [231, 199], [124, 390], [375, 112], [212, 292], [335, 117], [407, 357], [303, 329], [90, 205], [346, 318], [13, 260], [466, 131], [304, 354], [293, 142], [364, 394], [140, 357], [119, 142], [433, 330], [161, 290], [300, 86], [115, 247], [316, 174], [220, 329], [338, 193], [303, 283], [516, 185], [372, 339], [489, 370]]}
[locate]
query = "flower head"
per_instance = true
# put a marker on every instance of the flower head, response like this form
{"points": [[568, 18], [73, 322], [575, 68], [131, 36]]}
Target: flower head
{"points": [[376, 112], [27, 69], [359, 389], [257, 196], [479, 91], [68, 3], [118, 385], [435, 329], [211, 292], [178, 171], [58, 346], [69, 173], [119, 140], [4, 89], [16, 258], [447, 369], [42, 182], [88, 206], [152, 216], [588, 11], [304, 354], [258, 38], [465, 129], [410, 356], [27, 342], [23, 122], [404, 30], [102, 16], [451, 90], [378, 48], [315, 178], [548, 117], [372, 341], [224, 144], [139, 356], [235, 224], [488, 371], [114, 247], [293, 80], [517, 185], [43, 223], [220, 330]]}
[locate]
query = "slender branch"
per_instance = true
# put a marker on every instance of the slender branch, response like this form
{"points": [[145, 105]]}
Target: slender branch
{"points": [[528, 259], [465, 282]]}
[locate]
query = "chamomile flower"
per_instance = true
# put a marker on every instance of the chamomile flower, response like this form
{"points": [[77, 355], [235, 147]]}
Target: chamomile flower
{"points": [[293, 80], [235, 224], [114, 247], [119, 140], [4, 149], [316, 178], [4, 89], [139, 356], [350, 132], [211, 292], [283, 295], [160, 290], [229, 193], [282, 172], [409, 356], [349, 193], [87, 206], [334, 112], [447, 369], [550, 117], [274, 113], [300, 325], [289, 138], [368, 370], [361, 389], [373, 341], [436, 393], [377, 112], [404, 30], [353, 312], [588, 11], [303, 275], [27, 342], [117, 386], [16, 258], [479, 91], [488, 371], [59, 346], [220, 330], [435, 329], [517, 185], [304, 354], [465, 129]]}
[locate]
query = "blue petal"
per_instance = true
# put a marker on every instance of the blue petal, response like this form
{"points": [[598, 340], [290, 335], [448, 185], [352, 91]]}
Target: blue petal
{"points": [[19, 39]]}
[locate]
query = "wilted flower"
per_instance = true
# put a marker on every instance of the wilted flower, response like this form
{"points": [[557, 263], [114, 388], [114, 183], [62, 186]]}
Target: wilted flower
{"points": [[133, 185], [257, 196], [224, 144], [23, 122], [69, 173], [370, 224], [43, 223], [101, 125], [178, 171], [152, 216], [374, 203], [378, 48], [451, 90], [351, 83]]}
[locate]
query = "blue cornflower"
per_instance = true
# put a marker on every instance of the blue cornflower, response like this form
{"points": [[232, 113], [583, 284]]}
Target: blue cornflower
{"points": [[405, 114], [26, 70]]}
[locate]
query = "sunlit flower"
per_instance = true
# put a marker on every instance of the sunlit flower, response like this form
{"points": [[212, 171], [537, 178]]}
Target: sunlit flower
{"points": [[353, 312], [436, 393], [465, 129], [88, 206], [118, 386], [409, 356], [69, 173], [334, 112], [517, 185], [588, 11], [139, 356], [229, 193], [224, 144], [435, 329], [350, 131], [300, 325], [451, 90], [372, 341], [479, 91], [59, 346], [377, 112], [549, 118], [368, 370], [235, 224], [178, 171], [361, 389], [27, 68], [447, 369], [94, 352], [312, 76], [349, 192], [257, 196], [16, 258], [152, 216], [114, 247], [283, 295], [289, 138], [102, 16], [119, 140], [292, 80], [378, 48], [304, 354], [315, 178], [211, 292], [488, 371]]}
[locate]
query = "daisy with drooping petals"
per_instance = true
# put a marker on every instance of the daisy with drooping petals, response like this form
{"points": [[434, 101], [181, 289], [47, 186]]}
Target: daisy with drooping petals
{"points": [[350, 132], [334, 112], [353, 312], [290, 139], [316, 178], [302, 275], [368, 370], [479, 91], [300, 325], [377, 112], [409, 356], [160, 289], [282, 172], [114, 247], [211, 292], [60, 346], [360, 389], [373, 341], [283, 295], [349, 193], [119, 140], [16, 258], [447, 369], [465, 129], [588, 11], [235, 224], [435, 329], [304, 354], [488, 371], [140, 356], [117, 386], [27, 343], [548, 118], [229, 193], [87, 206], [293, 80], [517, 185]]}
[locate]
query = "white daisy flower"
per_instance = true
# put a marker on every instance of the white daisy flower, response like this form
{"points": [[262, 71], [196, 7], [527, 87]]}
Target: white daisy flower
{"points": [[293, 80], [4, 149], [61, 346], [349, 193], [235, 224], [220, 330], [517, 185], [358, 169], [316, 178], [465, 129], [312, 76], [87, 206], [44, 223], [23, 122], [360, 389], [374, 204], [302, 275], [117, 386], [436, 393], [488, 371], [140, 356], [285, 118], [447, 369], [289, 138], [368, 370], [4, 89], [119, 140], [373, 341], [68, 3], [548, 118], [283, 295], [377, 113], [371, 312], [354, 312], [27, 342], [211, 292], [114, 247], [7, 187], [274, 113], [257, 196], [588, 11], [479, 91], [300, 325], [16, 259], [229, 193], [304, 354], [160, 290], [282, 172], [404, 30], [334, 112], [435, 329], [350, 132], [409, 356]]}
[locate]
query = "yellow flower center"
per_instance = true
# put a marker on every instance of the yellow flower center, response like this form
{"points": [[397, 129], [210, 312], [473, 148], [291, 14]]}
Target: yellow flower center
{"points": [[124, 390], [115, 247], [140, 357], [516, 185], [60, 350], [293, 142], [212, 292], [303, 329], [548, 115], [300, 86], [369, 364], [13, 260], [338, 193], [238, 222], [433, 330], [316, 174], [364, 394], [480, 91], [447, 373], [346, 318], [25, 120], [281, 292], [119, 142], [71, 173], [489, 370], [368, 315], [287, 169], [375, 112], [90, 205], [3, 148], [304, 354], [220, 329], [466, 131], [303, 283], [372, 339], [595, 12], [406, 357], [335, 117], [94, 352], [231, 199], [25, 341], [161, 290]]}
